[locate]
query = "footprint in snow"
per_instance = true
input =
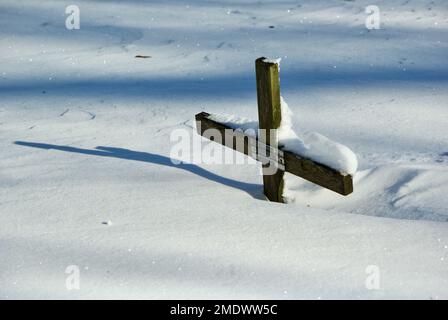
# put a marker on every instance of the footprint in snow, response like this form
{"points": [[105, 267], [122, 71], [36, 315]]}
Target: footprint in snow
{"points": [[77, 115]]}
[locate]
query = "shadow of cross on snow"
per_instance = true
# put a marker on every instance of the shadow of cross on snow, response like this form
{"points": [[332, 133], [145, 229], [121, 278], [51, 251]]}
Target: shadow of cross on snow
{"points": [[120, 153]]}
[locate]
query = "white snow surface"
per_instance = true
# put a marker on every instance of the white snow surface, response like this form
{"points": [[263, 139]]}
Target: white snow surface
{"points": [[85, 139]]}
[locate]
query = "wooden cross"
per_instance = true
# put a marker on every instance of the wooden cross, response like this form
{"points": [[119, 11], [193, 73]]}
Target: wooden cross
{"points": [[269, 116]]}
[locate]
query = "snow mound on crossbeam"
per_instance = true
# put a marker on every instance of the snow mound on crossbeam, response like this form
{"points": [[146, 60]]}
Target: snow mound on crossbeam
{"points": [[315, 146], [246, 125], [311, 145]]}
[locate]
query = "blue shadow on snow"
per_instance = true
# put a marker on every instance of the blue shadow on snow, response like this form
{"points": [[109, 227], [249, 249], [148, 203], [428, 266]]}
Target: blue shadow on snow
{"points": [[253, 189]]}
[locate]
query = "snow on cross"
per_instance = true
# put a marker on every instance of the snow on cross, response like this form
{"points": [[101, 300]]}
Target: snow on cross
{"points": [[265, 147]]}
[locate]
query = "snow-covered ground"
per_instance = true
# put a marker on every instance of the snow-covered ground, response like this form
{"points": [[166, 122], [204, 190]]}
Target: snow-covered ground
{"points": [[86, 179]]}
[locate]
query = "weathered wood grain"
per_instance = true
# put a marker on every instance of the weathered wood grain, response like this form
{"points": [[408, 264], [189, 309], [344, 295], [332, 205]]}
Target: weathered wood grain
{"points": [[269, 116]]}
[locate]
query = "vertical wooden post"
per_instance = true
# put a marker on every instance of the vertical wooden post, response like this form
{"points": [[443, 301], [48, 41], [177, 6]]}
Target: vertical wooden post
{"points": [[269, 117]]}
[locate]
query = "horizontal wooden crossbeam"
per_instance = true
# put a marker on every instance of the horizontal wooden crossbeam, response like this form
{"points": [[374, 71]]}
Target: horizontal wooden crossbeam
{"points": [[310, 170]]}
